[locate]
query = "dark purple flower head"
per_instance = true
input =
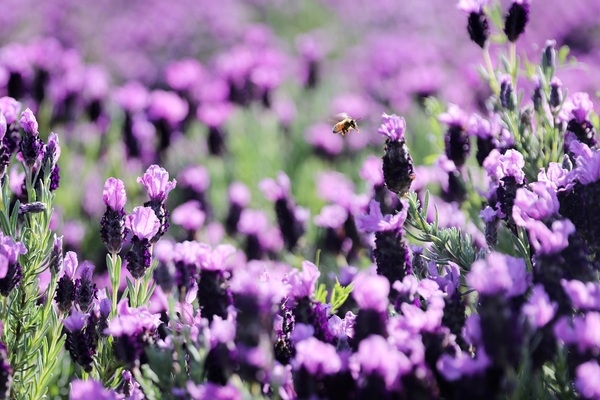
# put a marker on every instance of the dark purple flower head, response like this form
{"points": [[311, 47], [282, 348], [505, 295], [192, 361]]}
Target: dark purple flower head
{"points": [[303, 284], [499, 274], [317, 357], [550, 240], [156, 181], [375, 221], [239, 194], [539, 203], [29, 123], [185, 75], [539, 310], [587, 380], [90, 389], [583, 296], [132, 97], [376, 356], [9, 107], [142, 222], [499, 165], [214, 114], [516, 19], [114, 195], [577, 106], [276, 189], [167, 106], [392, 127], [371, 291]]}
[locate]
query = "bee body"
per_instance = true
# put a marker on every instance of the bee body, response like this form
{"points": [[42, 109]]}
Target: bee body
{"points": [[345, 124]]}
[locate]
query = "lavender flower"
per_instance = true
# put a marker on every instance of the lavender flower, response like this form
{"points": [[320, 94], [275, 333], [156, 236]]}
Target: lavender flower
{"points": [[397, 162], [144, 225], [457, 144], [67, 286], [290, 218], [477, 26], [6, 371], [156, 181], [9, 254], [82, 338], [239, 198], [371, 294], [86, 291], [90, 389], [112, 224], [586, 380], [213, 295], [31, 145], [516, 19]]}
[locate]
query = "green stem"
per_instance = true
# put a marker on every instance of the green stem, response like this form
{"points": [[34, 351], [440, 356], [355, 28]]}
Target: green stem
{"points": [[489, 67]]}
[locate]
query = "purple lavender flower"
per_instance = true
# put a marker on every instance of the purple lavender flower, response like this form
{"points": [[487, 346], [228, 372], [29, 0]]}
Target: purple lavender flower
{"points": [[539, 309], [185, 75], [189, 216], [9, 254], [539, 203], [391, 252], [371, 294], [144, 225], [67, 287], [167, 111], [575, 111], [156, 181], [398, 170], [516, 19], [586, 380], [112, 224], [82, 338], [214, 115], [90, 389], [214, 297], [457, 144], [290, 218], [86, 291], [132, 329], [580, 331], [380, 361], [454, 368], [239, 198], [303, 284], [550, 240], [31, 145], [583, 296], [477, 26], [499, 274], [211, 391]]}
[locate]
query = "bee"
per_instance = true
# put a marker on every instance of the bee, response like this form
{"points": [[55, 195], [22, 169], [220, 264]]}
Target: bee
{"points": [[344, 124]]}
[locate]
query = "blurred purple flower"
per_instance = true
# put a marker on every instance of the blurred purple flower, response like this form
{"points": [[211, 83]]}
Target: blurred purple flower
{"points": [[276, 189], [371, 291], [499, 274], [212, 391], [539, 309], [470, 6], [587, 380], [319, 136], [372, 171], [214, 114], [10, 108], [583, 295], [189, 215], [133, 97], [29, 123], [317, 357], [331, 216], [90, 389], [185, 75], [167, 106], [238, 193], [581, 331], [453, 368]]}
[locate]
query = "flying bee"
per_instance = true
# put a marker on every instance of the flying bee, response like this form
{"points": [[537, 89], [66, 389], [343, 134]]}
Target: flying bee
{"points": [[344, 124]]}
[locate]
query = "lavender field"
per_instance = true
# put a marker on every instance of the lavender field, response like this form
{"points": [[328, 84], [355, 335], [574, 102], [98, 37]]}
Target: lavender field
{"points": [[178, 220]]}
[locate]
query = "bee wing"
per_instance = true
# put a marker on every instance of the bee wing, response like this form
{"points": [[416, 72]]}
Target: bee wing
{"points": [[339, 117]]}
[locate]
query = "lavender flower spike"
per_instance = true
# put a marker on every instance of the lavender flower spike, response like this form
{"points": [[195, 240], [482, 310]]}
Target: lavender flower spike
{"points": [[398, 169], [112, 225], [144, 225]]}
